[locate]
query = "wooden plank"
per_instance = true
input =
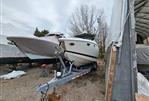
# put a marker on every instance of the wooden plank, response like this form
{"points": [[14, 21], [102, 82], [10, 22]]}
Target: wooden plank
{"points": [[142, 97], [53, 97], [111, 72]]}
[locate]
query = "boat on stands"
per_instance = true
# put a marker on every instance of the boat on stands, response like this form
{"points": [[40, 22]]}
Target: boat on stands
{"points": [[37, 47]]}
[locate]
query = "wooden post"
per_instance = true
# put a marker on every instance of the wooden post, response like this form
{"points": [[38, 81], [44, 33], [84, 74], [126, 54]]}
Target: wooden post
{"points": [[111, 72]]}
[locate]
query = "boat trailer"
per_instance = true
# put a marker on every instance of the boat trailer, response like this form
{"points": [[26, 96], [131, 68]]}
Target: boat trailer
{"points": [[66, 73]]}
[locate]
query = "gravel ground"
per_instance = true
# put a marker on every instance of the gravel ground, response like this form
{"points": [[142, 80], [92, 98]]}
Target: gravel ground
{"points": [[90, 87]]}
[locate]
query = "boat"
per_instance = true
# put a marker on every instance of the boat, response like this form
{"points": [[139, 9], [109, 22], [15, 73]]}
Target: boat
{"points": [[79, 51], [37, 48]]}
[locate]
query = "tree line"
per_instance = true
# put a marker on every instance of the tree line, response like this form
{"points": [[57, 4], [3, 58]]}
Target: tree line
{"points": [[40, 33]]}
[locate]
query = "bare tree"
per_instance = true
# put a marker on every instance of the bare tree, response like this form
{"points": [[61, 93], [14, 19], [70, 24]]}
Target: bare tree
{"points": [[84, 19], [101, 36], [91, 21]]}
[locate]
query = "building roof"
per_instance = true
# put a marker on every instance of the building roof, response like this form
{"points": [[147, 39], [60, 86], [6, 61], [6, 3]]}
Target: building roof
{"points": [[142, 17]]}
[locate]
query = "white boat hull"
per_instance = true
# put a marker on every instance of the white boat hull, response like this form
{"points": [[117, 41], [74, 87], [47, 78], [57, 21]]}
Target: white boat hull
{"points": [[34, 56], [80, 51], [36, 48]]}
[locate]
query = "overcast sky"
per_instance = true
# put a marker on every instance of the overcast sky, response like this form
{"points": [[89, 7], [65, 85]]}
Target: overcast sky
{"points": [[20, 17]]}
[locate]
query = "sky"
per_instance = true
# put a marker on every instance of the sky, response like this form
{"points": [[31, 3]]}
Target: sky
{"points": [[21, 17]]}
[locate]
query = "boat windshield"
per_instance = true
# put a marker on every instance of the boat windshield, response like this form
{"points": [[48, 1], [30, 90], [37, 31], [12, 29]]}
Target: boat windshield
{"points": [[86, 36], [57, 35]]}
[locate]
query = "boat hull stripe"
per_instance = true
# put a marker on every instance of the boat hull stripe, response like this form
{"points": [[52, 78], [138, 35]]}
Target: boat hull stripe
{"points": [[81, 54]]}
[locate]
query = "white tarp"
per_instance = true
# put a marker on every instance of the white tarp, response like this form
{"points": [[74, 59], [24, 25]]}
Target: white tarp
{"points": [[142, 54], [143, 85], [7, 51], [13, 74], [117, 22]]}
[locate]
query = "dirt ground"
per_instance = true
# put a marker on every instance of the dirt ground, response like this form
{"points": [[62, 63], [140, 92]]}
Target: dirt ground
{"points": [[90, 87]]}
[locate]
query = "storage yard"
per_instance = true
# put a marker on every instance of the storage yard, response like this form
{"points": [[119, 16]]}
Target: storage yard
{"points": [[89, 87], [94, 62]]}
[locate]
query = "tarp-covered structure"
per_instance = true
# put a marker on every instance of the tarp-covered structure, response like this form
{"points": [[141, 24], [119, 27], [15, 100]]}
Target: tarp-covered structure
{"points": [[7, 50], [142, 30], [140, 23], [129, 23], [142, 19], [142, 54], [9, 53]]}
